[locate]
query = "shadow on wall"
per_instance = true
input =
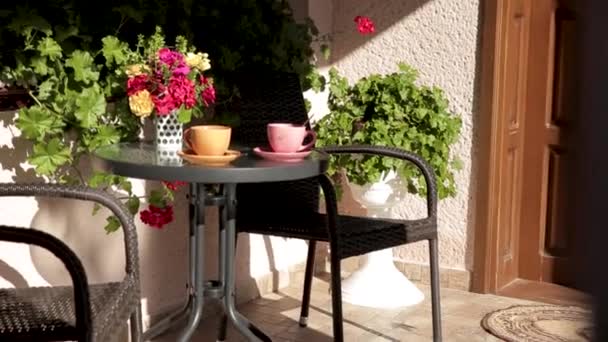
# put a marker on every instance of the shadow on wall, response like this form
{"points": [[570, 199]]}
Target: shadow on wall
{"points": [[12, 276], [11, 156], [471, 212], [384, 13]]}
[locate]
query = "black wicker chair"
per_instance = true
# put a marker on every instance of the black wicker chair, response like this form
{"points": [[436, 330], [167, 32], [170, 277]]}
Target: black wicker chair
{"points": [[81, 312], [290, 209]]}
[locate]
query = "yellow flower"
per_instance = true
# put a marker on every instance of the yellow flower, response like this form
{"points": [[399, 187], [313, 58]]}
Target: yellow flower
{"points": [[198, 61], [136, 69], [141, 103]]}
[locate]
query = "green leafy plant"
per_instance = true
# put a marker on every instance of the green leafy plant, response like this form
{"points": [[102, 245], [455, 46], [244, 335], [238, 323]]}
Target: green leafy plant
{"points": [[391, 110], [238, 34], [80, 104]]}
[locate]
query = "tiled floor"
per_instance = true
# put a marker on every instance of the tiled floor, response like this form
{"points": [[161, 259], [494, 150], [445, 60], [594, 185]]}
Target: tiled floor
{"points": [[277, 314]]}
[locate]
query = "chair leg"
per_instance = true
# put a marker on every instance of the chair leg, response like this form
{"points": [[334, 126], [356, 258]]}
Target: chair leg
{"points": [[435, 288], [136, 325], [308, 274], [221, 335], [336, 297]]}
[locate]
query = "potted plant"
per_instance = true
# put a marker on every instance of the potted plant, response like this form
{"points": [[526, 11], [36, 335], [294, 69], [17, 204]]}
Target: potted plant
{"points": [[387, 110], [83, 99]]}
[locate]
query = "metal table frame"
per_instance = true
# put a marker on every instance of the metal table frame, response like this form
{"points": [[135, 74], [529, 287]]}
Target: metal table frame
{"points": [[223, 288], [141, 160]]}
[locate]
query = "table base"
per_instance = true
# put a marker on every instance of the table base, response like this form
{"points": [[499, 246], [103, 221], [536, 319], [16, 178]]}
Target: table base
{"points": [[222, 289]]}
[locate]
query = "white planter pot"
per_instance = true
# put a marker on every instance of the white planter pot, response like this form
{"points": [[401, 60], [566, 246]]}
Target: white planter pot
{"points": [[378, 283]]}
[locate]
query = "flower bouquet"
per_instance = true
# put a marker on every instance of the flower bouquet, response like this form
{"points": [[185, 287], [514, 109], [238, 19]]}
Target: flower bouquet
{"points": [[170, 85]]}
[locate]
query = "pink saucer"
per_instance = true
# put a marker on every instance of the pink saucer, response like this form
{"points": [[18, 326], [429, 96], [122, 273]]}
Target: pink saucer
{"points": [[292, 157]]}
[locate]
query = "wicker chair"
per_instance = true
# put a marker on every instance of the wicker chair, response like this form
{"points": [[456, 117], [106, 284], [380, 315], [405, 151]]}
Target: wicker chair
{"points": [[82, 312], [290, 209]]}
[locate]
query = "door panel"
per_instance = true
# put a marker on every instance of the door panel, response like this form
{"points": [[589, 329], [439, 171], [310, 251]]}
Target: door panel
{"points": [[546, 229], [515, 33]]}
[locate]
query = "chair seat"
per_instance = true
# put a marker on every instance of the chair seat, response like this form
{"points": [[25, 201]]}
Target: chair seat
{"points": [[47, 313], [357, 235]]}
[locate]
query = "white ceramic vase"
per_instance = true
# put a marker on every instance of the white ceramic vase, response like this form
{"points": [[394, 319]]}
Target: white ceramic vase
{"points": [[378, 283]]}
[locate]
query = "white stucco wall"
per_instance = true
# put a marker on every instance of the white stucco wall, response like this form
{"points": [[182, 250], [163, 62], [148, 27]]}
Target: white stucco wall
{"points": [[440, 39]]}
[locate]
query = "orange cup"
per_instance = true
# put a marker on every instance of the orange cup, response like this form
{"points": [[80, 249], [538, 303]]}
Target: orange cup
{"points": [[208, 140]]}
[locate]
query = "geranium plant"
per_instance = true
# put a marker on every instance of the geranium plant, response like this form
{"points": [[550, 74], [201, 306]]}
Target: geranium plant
{"points": [[391, 110], [84, 99]]}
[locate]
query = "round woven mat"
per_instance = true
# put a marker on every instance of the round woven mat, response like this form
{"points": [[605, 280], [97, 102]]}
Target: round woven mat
{"points": [[540, 323]]}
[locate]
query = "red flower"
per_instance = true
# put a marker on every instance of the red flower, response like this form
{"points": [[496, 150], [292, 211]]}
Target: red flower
{"points": [[174, 185], [365, 25], [157, 217], [169, 57], [208, 94], [182, 91], [164, 103], [137, 83]]}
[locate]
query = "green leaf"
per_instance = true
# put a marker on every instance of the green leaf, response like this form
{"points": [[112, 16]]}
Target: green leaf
{"points": [[103, 136], [133, 204], [48, 157], [113, 50], [45, 89], [102, 180], [36, 122], [112, 224], [62, 33], [49, 48], [124, 184], [90, 105], [82, 64], [39, 63], [96, 208], [157, 198], [184, 115], [325, 51]]}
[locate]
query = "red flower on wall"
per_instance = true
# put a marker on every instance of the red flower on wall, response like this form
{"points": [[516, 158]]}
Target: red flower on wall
{"points": [[365, 25]]}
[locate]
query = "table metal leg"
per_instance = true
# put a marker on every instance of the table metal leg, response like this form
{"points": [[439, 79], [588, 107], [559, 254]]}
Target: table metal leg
{"points": [[167, 322], [195, 279], [197, 262], [227, 253]]}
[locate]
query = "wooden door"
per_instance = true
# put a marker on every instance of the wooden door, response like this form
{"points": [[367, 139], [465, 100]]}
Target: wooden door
{"points": [[513, 69], [547, 234], [528, 109]]}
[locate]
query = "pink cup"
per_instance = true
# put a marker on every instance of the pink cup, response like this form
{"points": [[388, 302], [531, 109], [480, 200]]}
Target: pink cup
{"points": [[288, 138]]}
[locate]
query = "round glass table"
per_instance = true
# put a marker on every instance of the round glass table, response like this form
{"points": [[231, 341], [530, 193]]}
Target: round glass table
{"points": [[144, 161]]}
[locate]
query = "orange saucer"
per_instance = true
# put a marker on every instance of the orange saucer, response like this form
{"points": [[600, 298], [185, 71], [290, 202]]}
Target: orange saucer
{"points": [[193, 158]]}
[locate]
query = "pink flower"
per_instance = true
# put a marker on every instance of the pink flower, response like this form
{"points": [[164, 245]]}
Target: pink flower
{"points": [[164, 103], [208, 94], [181, 70], [170, 58], [137, 83], [182, 91], [365, 25], [157, 217], [173, 186]]}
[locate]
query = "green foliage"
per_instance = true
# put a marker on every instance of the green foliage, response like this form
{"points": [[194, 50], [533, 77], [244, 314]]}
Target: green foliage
{"points": [[71, 116], [237, 34], [391, 110], [71, 56]]}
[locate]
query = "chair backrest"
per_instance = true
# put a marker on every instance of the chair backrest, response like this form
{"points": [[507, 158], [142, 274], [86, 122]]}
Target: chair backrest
{"points": [[266, 97]]}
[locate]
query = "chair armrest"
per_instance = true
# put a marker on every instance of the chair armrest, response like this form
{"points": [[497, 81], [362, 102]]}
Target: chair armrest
{"points": [[82, 304], [423, 166], [86, 194]]}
